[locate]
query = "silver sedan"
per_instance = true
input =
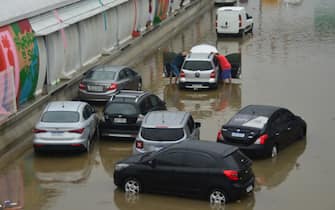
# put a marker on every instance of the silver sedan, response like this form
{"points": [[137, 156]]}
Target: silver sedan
{"points": [[100, 83], [66, 125]]}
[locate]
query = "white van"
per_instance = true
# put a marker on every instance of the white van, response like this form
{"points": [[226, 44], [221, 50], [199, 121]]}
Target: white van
{"points": [[233, 20]]}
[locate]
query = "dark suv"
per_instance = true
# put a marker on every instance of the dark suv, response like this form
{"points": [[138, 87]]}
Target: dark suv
{"points": [[123, 114], [204, 169]]}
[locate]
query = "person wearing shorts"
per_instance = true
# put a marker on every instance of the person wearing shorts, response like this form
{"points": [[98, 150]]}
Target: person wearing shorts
{"points": [[225, 67]]}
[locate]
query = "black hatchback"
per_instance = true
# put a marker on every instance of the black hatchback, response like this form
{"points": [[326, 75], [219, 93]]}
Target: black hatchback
{"points": [[202, 169], [123, 114], [262, 130]]}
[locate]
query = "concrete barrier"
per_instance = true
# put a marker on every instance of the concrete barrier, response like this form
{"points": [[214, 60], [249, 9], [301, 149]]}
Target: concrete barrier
{"points": [[15, 134]]}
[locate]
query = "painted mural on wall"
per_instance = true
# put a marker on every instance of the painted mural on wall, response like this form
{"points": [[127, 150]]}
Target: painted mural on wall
{"points": [[161, 11], [18, 66]]}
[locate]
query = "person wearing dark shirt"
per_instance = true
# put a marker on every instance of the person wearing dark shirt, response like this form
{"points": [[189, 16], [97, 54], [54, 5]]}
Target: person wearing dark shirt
{"points": [[176, 65]]}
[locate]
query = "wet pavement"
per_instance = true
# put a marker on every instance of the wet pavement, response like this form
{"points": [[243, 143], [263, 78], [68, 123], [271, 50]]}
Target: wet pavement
{"points": [[288, 61]]}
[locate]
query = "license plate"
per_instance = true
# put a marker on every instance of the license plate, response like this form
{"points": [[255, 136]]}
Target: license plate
{"points": [[56, 133], [241, 135], [120, 120], [196, 86], [95, 88], [249, 189]]}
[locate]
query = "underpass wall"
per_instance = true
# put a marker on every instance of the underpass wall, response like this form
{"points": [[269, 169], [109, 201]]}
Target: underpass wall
{"points": [[18, 127]]}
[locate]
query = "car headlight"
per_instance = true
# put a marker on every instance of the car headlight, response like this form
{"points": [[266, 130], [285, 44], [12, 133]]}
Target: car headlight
{"points": [[120, 166]]}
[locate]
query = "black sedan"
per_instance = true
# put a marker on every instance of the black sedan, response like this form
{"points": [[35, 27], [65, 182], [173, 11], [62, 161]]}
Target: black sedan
{"points": [[102, 82], [262, 130], [209, 170]]}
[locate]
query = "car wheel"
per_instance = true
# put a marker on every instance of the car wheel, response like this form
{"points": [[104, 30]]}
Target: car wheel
{"points": [[217, 196], [274, 151], [132, 185], [139, 86]]}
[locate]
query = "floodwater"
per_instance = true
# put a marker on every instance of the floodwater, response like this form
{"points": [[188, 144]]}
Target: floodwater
{"points": [[287, 61]]}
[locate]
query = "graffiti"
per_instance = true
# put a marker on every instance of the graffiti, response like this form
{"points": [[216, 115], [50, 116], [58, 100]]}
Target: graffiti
{"points": [[18, 66]]}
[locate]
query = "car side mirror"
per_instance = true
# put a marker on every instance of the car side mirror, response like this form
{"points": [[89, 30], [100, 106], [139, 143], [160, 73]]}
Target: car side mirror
{"points": [[152, 163], [197, 124]]}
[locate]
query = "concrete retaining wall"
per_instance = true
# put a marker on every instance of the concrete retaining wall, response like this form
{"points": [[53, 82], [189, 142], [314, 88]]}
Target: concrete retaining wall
{"points": [[16, 132]]}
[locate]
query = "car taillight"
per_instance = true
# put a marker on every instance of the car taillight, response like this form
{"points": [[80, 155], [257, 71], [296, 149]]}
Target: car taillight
{"points": [[213, 74], [80, 130], [182, 74], [219, 137], [82, 86], [139, 144], [262, 139], [38, 130], [231, 174], [113, 86], [240, 20]]}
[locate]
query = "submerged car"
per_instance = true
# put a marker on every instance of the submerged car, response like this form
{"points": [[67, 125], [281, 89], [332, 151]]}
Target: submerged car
{"points": [[102, 82], [262, 130], [217, 172], [162, 128], [66, 125], [200, 68], [123, 114]]}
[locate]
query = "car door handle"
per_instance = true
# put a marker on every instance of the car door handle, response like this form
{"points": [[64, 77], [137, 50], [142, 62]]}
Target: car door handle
{"points": [[277, 134], [289, 128]]}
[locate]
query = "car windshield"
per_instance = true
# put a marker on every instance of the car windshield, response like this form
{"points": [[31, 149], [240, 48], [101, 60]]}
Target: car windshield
{"points": [[101, 75], [162, 134], [121, 108], [60, 116], [197, 65]]}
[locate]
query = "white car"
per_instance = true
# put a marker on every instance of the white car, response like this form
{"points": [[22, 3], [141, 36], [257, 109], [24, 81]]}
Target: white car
{"points": [[66, 125], [233, 20]]}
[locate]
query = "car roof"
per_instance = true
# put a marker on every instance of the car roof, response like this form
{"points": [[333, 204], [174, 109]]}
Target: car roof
{"points": [[203, 48], [128, 95], [205, 146], [168, 119], [64, 106], [262, 110]]}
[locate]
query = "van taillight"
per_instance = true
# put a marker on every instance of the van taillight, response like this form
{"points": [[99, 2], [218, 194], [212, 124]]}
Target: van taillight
{"points": [[82, 86], [139, 144], [262, 139], [81, 130], [240, 20], [213, 74], [231, 174], [113, 86], [39, 130], [182, 74], [219, 137]]}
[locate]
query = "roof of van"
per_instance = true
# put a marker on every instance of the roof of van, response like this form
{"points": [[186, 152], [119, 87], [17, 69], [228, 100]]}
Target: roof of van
{"points": [[230, 8], [168, 119]]}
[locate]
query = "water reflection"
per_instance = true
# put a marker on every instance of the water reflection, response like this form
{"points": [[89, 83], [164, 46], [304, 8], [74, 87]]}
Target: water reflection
{"points": [[148, 201], [63, 168], [113, 151], [12, 185], [205, 103], [272, 172]]}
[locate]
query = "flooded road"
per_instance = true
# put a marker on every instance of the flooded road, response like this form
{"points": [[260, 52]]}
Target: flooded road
{"points": [[288, 61]]}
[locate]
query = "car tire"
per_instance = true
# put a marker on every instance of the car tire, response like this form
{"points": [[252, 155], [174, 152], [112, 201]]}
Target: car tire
{"points": [[274, 151], [242, 33], [132, 185], [217, 196]]}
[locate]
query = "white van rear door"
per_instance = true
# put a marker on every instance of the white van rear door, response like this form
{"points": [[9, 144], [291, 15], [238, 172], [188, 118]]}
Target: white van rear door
{"points": [[227, 21]]}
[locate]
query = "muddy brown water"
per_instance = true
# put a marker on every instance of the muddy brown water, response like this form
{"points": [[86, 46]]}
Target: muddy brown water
{"points": [[287, 61]]}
